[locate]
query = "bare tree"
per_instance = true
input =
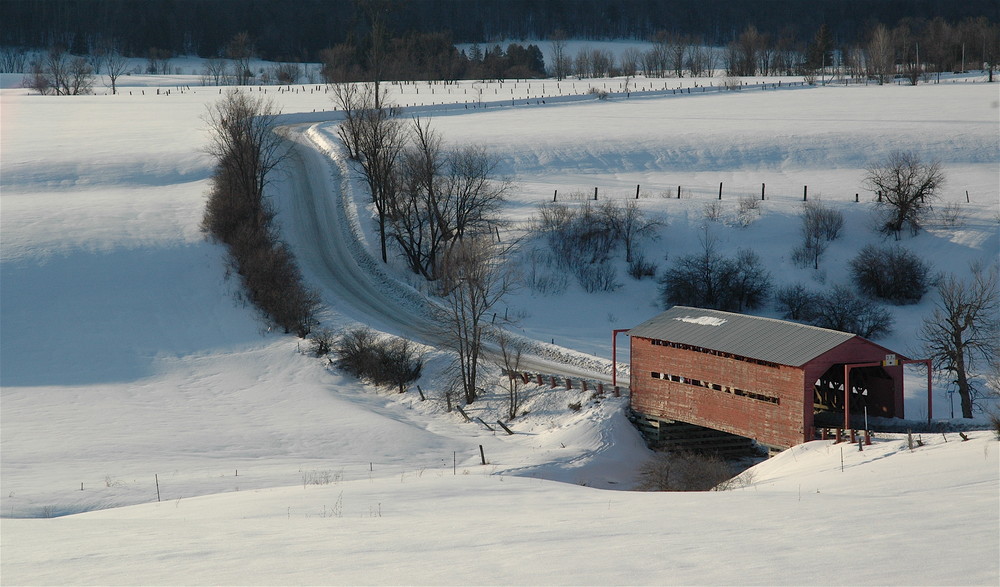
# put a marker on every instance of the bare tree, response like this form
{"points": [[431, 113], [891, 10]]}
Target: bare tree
{"points": [[381, 139], [116, 64], [158, 61], [602, 63], [905, 187], [582, 65], [443, 197], [629, 224], [418, 225], [820, 226], [510, 362], [881, 55], [711, 280], [12, 59], [214, 71], [795, 302], [703, 61], [244, 139], [475, 277], [629, 61], [964, 330], [743, 53], [241, 50], [61, 74], [561, 63], [476, 189], [841, 309], [676, 51], [353, 101]]}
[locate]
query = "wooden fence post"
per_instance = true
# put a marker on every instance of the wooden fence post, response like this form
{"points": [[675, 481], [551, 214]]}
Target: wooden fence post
{"points": [[720, 190], [762, 192], [595, 193], [805, 193], [636, 191]]}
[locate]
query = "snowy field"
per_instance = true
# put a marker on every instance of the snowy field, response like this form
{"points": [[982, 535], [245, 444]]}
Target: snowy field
{"points": [[129, 372]]}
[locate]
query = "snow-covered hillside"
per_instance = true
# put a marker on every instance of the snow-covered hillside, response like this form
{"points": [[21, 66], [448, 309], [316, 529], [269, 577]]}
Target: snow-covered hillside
{"points": [[128, 368]]}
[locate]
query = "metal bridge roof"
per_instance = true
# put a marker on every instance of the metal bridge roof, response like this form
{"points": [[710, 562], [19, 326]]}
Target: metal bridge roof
{"points": [[764, 339]]}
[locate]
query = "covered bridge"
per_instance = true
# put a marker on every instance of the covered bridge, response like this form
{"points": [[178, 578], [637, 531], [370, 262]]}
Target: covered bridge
{"points": [[760, 378]]}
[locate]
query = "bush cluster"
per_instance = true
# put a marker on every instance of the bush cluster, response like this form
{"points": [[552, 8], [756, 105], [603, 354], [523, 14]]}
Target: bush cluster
{"points": [[820, 226], [838, 309], [238, 215], [582, 240], [390, 362], [893, 274], [710, 280]]}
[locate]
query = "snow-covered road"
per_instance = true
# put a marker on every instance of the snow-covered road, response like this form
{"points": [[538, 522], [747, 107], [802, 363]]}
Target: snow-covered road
{"points": [[323, 227]]}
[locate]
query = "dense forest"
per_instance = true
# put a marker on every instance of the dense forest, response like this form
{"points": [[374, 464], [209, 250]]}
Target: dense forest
{"points": [[298, 30]]}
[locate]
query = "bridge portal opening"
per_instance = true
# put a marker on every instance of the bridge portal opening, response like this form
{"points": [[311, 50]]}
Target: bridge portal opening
{"points": [[872, 390]]}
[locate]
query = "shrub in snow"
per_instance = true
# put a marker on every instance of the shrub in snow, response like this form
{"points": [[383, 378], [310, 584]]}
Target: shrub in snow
{"points": [[710, 280], [541, 275], [951, 215], [382, 361], [321, 343], [820, 225], [596, 277], [748, 210], [841, 309], [994, 419], [601, 94], [795, 302], [640, 268], [893, 274], [712, 211], [582, 240]]}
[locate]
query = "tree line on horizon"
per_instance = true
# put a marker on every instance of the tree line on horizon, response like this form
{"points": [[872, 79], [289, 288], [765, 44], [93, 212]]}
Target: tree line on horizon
{"points": [[299, 30]]}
